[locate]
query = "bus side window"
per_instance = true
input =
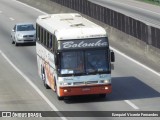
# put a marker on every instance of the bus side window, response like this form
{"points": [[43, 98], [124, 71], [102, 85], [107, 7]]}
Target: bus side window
{"points": [[50, 43], [38, 33], [41, 35], [44, 37], [47, 40], [53, 42]]}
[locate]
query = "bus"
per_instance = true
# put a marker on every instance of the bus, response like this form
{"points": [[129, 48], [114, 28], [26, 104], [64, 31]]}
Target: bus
{"points": [[73, 55]]}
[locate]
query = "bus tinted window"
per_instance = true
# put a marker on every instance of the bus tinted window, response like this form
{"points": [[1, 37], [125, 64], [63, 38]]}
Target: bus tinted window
{"points": [[96, 61], [72, 63]]}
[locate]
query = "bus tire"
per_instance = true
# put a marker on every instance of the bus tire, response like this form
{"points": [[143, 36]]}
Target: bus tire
{"points": [[55, 86], [45, 84], [41, 73], [44, 80], [60, 98]]}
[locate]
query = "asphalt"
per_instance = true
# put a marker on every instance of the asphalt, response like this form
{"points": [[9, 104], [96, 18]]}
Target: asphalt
{"points": [[131, 81], [16, 93]]}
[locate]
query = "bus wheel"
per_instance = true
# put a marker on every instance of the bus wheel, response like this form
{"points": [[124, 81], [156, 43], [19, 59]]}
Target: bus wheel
{"points": [[45, 82], [60, 98], [55, 86], [102, 95]]}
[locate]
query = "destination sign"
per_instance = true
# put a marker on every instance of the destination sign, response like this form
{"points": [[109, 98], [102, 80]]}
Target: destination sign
{"points": [[86, 43]]}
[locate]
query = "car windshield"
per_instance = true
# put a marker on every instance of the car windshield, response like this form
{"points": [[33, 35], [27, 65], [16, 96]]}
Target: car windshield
{"points": [[28, 27], [80, 62]]}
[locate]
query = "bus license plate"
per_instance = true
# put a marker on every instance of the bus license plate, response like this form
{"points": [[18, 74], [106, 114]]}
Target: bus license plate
{"points": [[86, 89]]}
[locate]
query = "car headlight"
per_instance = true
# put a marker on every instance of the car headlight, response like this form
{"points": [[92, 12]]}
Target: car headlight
{"points": [[20, 36]]}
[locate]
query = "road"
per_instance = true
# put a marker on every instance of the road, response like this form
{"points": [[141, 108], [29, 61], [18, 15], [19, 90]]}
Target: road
{"points": [[135, 88], [148, 13]]}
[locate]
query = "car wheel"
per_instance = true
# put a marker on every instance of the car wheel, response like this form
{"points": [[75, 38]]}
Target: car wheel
{"points": [[13, 42], [16, 44]]}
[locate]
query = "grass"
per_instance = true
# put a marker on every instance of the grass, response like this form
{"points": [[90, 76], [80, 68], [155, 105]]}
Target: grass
{"points": [[154, 2]]}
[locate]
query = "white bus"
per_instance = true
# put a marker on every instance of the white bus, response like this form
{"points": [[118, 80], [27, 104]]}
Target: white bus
{"points": [[73, 55]]}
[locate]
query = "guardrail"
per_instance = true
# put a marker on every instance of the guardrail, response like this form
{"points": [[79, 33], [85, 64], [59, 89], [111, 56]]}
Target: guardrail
{"points": [[138, 29], [156, 2]]}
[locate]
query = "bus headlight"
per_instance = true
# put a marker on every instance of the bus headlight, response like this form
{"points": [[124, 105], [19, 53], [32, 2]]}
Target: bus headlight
{"points": [[66, 84], [105, 81]]}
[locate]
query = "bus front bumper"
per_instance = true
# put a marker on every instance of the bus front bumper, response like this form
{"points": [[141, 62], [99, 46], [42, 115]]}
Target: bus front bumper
{"points": [[85, 90]]}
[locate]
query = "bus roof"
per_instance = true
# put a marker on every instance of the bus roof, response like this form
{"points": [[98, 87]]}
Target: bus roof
{"points": [[70, 26]]}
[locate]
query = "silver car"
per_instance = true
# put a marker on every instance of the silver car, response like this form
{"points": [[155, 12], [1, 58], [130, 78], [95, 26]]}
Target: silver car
{"points": [[23, 33]]}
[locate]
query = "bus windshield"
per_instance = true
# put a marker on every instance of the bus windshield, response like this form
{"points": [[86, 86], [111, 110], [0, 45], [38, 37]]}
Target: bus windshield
{"points": [[72, 62], [96, 61], [80, 62]]}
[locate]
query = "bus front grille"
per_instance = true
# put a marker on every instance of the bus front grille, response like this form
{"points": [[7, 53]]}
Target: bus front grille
{"points": [[85, 83]]}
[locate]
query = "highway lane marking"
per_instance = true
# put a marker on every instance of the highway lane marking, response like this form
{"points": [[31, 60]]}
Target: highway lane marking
{"points": [[30, 6], [133, 60], [138, 63], [34, 86], [131, 104], [125, 4], [11, 18]]}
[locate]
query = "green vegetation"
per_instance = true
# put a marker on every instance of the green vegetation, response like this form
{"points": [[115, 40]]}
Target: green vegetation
{"points": [[155, 2]]}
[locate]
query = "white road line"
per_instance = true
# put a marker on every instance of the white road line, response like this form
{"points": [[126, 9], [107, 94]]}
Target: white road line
{"points": [[131, 104], [30, 6], [135, 61], [11, 18], [140, 64], [33, 85], [125, 4]]}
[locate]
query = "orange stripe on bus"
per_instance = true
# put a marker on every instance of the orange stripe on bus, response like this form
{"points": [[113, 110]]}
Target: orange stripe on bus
{"points": [[85, 90]]}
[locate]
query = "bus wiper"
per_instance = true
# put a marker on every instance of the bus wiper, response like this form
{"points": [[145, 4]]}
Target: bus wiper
{"points": [[92, 72], [78, 73]]}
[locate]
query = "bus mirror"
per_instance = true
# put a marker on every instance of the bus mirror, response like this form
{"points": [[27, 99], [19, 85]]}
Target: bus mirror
{"points": [[112, 56]]}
